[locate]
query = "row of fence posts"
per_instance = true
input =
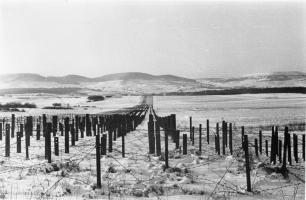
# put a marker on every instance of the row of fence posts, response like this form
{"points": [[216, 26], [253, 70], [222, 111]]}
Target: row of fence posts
{"points": [[121, 126], [94, 123], [169, 126], [117, 125]]}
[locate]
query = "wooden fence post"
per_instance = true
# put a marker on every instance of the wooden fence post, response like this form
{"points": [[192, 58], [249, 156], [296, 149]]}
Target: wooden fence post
{"points": [[231, 138], [303, 146], [193, 136], [272, 148], [110, 141], [218, 138], [44, 124], [166, 148], [13, 126], [7, 140], [123, 144], [21, 129], [242, 135], [260, 142], [54, 125], [48, 141], [56, 147], [207, 131], [103, 144], [267, 148], [18, 142], [256, 147], [284, 167], [72, 134], [289, 149], [200, 138], [98, 161], [38, 132], [151, 136], [157, 138], [66, 134], [0, 131], [184, 144], [190, 127], [279, 151], [177, 139], [295, 148], [247, 164], [223, 137]]}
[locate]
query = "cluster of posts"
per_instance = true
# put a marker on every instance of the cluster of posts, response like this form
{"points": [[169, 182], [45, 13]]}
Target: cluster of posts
{"points": [[114, 126], [223, 140], [72, 128]]}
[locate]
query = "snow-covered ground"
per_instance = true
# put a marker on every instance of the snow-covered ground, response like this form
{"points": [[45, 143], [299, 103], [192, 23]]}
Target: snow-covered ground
{"points": [[246, 109], [79, 104], [192, 176]]}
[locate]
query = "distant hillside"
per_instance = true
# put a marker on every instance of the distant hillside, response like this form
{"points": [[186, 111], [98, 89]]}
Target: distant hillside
{"points": [[276, 79], [136, 83], [76, 79], [130, 76]]}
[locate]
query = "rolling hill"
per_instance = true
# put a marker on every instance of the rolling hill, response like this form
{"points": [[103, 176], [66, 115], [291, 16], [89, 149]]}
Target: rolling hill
{"points": [[140, 83]]}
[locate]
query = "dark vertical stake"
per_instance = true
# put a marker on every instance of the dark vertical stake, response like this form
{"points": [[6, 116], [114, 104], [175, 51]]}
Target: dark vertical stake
{"points": [[231, 138], [66, 134], [193, 136], [151, 136], [247, 164], [284, 167], [272, 153], [223, 137], [242, 135], [260, 142], [56, 147], [177, 139], [98, 162], [256, 147], [303, 146], [218, 138], [267, 148], [184, 144], [295, 148], [13, 125], [289, 149], [110, 141], [225, 133], [0, 131], [103, 144], [72, 134], [18, 142], [190, 127], [38, 132], [166, 148], [7, 140], [200, 138], [123, 145], [48, 141], [157, 138], [207, 130]]}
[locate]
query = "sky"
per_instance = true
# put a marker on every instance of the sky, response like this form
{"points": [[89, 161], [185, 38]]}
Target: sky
{"points": [[186, 38]]}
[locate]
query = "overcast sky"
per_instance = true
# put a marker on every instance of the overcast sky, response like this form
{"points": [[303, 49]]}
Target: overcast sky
{"points": [[191, 39]]}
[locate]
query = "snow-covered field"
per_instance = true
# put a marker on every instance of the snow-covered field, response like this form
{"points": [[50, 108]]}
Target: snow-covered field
{"points": [[79, 104], [140, 175], [246, 109]]}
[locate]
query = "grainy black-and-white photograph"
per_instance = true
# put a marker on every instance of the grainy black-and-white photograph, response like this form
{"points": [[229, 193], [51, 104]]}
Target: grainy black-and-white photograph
{"points": [[152, 99]]}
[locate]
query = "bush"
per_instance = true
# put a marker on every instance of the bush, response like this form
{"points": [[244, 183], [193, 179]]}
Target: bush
{"points": [[95, 98], [17, 105]]}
